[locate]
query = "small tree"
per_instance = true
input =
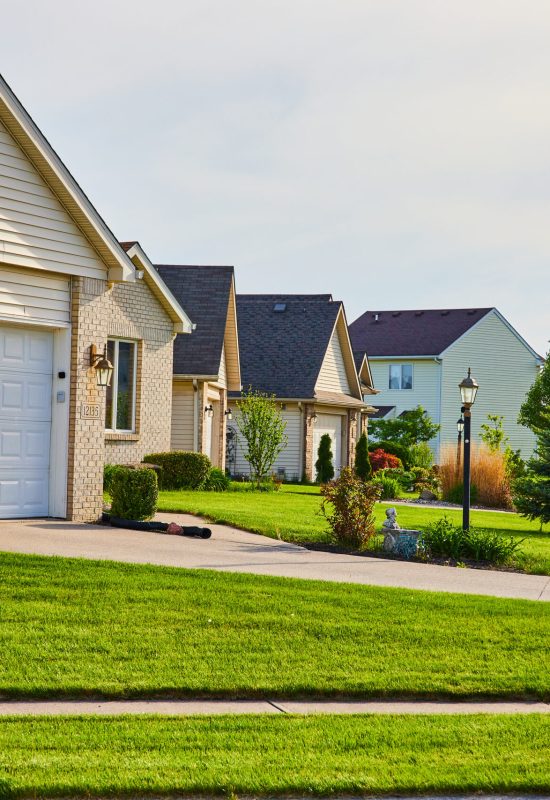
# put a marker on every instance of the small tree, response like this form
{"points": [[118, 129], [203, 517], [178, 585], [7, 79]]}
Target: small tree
{"points": [[531, 493], [263, 428], [363, 466], [324, 465], [535, 411], [410, 428], [492, 432], [348, 506]]}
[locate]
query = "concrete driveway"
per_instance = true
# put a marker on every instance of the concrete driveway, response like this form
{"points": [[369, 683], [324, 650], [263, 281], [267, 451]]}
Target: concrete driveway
{"points": [[233, 550]]}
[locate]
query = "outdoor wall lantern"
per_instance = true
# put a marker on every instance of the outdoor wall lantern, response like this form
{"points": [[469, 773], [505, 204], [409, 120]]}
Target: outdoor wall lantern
{"points": [[209, 410], [102, 365], [228, 413], [468, 391], [314, 417]]}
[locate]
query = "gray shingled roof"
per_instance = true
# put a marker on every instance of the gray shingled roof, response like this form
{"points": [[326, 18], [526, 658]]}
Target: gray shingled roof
{"points": [[282, 351], [411, 333], [204, 294]]}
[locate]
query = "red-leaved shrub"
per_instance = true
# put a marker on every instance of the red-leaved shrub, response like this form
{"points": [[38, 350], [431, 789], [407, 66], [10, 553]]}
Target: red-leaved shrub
{"points": [[348, 506], [379, 459]]}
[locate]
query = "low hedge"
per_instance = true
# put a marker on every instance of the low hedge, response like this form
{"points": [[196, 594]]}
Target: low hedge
{"points": [[134, 493], [180, 469]]}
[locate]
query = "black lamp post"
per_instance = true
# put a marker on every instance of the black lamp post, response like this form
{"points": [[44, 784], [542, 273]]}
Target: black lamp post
{"points": [[460, 428], [468, 390]]}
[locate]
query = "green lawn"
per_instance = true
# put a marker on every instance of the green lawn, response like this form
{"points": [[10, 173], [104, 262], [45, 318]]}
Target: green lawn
{"points": [[292, 514], [258, 756], [80, 628]]}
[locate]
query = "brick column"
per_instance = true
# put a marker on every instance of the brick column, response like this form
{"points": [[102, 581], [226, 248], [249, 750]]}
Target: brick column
{"points": [[309, 456]]}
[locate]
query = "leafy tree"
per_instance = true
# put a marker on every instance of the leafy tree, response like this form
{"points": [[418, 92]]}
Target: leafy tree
{"points": [[323, 465], [412, 427], [492, 433], [363, 468], [535, 411], [263, 428], [531, 493]]}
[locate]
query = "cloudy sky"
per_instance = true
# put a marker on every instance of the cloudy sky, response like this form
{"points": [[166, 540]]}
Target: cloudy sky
{"points": [[393, 152]]}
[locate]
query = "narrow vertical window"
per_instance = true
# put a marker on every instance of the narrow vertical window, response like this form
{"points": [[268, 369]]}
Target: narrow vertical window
{"points": [[401, 376], [121, 395]]}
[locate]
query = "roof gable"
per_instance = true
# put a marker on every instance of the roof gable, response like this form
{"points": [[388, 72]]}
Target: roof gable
{"points": [[412, 333], [284, 341], [46, 164], [208, 296]]}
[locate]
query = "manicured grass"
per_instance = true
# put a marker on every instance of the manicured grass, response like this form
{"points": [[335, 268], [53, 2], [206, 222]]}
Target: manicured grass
{"points": [[258, 756], [77, 628], [292, 514]]}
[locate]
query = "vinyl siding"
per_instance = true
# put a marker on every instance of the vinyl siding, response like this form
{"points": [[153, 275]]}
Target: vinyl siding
{"points": [[182, 415], [425, 391], [222, 378], [289, 460], [333, 376], [28, 295], [35, 229], [504, 369]]}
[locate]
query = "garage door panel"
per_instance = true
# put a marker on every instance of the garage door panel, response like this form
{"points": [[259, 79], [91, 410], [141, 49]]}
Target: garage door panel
{"points": [[25, 350], [25, 396], [30, 446], [331, 424], [23, 494]]}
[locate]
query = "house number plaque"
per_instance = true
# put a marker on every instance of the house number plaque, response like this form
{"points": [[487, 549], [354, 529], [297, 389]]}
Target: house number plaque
{"points": [[89, 411]]}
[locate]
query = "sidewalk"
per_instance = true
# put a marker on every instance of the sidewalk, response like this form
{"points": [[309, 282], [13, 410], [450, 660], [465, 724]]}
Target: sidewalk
{"points": [[215, 707], [233, 550]]}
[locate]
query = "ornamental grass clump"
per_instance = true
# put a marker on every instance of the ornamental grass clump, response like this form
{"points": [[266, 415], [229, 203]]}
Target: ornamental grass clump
{"points": [[442, 539], [348, 506], [488, 475]]}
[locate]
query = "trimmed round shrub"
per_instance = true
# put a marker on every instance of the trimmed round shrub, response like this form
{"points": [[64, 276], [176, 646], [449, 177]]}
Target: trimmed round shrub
{"points": [[395, 449], [180, 469], [217, 481], [134, 493], [109, 472], [389, 487]]}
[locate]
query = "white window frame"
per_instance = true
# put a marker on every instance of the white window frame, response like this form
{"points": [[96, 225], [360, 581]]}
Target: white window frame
{"points": [[400, 388], [114, 385]]}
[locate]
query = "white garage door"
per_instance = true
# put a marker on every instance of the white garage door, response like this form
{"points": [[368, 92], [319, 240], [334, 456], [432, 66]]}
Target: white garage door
{"points": [[331, 424], [25, 421]]}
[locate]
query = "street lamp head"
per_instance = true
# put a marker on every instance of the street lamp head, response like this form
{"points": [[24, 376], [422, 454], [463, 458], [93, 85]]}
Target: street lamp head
{"points": [[468, 390], [460, 425]]}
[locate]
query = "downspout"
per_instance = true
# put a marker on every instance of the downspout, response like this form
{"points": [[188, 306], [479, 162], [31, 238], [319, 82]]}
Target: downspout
{"points": [[301, 451], [195, 415], [439, 361]]}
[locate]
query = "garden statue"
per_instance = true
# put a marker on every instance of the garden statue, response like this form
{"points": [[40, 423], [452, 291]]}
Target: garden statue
{"points": [[401, 542], [390, 524]]}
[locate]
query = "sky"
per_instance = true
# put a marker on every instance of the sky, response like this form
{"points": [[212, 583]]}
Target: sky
{"points": [[395, 153]]}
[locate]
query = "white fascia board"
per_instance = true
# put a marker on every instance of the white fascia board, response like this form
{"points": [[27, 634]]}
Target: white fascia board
{"points": [[182, 323], [404, 358], [122, 269]]}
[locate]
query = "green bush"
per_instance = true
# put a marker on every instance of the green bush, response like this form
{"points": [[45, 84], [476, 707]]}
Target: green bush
{"points": [[134, 493], [323, 466], [348, 506], [109, 472], [395, 449], [421, 455], [180, 469], [216, 481], [363, 466], [456, 494], [442, 539], [389, 487]]}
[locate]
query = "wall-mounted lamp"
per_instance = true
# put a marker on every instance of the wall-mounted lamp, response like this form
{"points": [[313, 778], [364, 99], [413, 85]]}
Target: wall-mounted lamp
{"points": [[313, 417], [209, 410], [102, 365], [228, 413]]}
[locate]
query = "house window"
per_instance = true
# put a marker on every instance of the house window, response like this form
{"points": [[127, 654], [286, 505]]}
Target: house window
{"points": [[401, 376], [120, 410]]}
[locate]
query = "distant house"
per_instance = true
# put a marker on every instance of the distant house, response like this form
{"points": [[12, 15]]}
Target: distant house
{"points": [[297, 348], [206, 364], [69, 295], [420, 357]]}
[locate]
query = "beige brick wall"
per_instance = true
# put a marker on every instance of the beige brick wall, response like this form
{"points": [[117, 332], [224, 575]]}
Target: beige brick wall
{"points": [[125, 311]]}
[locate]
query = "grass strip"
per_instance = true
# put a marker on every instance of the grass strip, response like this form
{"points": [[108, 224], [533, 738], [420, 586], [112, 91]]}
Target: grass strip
{"points": [[292, 514], [258, 756], [78, 628]]}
